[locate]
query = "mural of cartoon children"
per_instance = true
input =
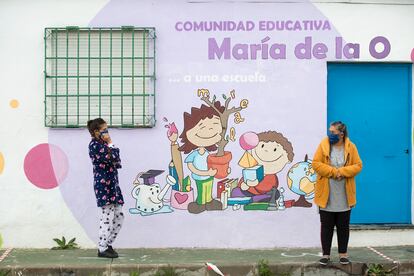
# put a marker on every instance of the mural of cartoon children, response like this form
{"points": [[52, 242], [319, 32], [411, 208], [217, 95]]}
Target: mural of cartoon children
{"points": [[273, 152], [201, 133]]}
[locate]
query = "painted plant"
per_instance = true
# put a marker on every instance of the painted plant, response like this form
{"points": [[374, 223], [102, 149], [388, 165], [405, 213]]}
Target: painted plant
{"points": [[220, 160]]}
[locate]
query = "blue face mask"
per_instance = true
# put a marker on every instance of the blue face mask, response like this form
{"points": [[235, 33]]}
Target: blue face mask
{"points": [[103, 132], [333, 138]]}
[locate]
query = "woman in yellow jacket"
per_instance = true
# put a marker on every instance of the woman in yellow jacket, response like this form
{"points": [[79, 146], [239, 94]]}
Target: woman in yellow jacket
{"points": [[336, 163]]}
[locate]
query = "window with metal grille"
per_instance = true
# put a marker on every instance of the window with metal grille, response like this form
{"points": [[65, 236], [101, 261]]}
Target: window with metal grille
{"points": [[100, 72]]}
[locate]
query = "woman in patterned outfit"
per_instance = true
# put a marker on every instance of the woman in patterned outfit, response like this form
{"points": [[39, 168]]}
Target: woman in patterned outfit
{"points": [[106, 162]]}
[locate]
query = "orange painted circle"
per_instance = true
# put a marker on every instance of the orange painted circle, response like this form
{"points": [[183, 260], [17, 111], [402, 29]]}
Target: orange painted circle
{"points": [[14, 103]]}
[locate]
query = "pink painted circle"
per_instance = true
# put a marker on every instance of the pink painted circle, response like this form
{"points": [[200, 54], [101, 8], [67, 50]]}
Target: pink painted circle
{"points": [[249, 140], [412, 55], [46, 166]]}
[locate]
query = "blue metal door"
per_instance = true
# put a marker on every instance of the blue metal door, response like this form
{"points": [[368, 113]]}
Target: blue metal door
{"points": [[374, 100]]}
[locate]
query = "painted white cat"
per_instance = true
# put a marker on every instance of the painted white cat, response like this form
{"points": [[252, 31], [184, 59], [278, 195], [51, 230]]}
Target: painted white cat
{"points": [[150, 198]]}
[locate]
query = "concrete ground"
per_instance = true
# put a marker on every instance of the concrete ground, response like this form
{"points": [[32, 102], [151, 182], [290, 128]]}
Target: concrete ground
{"points": [[399, 260]]}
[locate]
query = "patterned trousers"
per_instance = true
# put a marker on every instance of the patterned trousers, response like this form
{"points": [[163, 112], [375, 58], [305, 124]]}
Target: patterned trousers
{"points": [[109, 225]]}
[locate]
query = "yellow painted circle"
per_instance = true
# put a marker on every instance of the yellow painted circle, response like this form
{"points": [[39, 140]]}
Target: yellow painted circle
{"points": [[14, 103]]}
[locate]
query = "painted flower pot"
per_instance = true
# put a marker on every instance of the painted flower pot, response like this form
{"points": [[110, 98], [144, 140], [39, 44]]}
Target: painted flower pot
{"points": [[180, 200], [220, 163]]}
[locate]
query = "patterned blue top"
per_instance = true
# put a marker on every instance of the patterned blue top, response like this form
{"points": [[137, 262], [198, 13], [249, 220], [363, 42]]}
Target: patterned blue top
{"points": [[106, 162]]}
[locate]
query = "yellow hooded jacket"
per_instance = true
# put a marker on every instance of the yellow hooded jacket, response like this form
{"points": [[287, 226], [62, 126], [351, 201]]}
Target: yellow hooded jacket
{"points": [[321, 164]]}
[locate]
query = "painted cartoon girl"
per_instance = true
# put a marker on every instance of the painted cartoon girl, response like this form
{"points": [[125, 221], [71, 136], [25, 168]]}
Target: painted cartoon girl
{"points": [[202, 131]]}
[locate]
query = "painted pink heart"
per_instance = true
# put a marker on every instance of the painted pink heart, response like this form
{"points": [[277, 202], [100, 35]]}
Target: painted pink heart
{"points": [[181, 198]]}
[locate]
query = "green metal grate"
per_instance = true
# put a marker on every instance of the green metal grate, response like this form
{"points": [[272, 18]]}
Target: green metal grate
{"points": [[100, 72]]}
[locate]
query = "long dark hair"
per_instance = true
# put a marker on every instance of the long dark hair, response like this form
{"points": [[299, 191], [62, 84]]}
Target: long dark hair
{"points": [[341, 127], [191, 120]]}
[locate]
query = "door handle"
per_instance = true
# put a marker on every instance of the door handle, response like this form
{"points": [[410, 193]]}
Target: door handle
{"points": [[407, 151]]}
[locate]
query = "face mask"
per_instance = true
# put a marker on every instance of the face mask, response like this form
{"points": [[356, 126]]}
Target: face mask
{"points": [[333, 138], [103, 132]]}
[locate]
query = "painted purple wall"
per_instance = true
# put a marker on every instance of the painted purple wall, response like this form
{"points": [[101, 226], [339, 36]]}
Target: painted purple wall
{"points": [[291, 100]]}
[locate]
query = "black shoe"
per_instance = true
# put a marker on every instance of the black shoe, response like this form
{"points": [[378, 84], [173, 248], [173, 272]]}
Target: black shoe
{"points": [[324, 261], [107, 254], [110, 249], [344, 261]]}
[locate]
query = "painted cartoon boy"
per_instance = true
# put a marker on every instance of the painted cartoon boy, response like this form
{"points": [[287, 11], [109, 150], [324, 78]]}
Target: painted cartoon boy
{"points": [[273, 152]]}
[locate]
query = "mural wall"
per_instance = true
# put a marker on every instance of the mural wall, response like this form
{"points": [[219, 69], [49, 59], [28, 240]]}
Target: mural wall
{"points": [[241, 108], [228, 164]]}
